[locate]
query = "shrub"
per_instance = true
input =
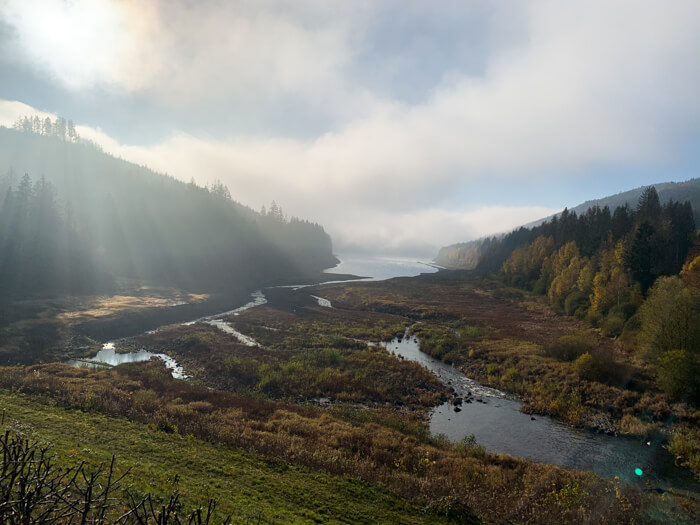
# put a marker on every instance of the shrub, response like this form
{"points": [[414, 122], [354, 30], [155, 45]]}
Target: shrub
{"points": [[670, 319], [569, 347], [540, 287], [593, 318], [36, 489], [472, 331], [574, 301], [165, 426], [469, 446], [581, 312], [612, 326], [635, 426], [685, 444], [511, 379], [245, 370], [630, 330], [677, 374], [587, 367], [624, 311]]}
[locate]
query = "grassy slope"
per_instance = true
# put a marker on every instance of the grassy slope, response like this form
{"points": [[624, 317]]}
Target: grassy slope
{"points": [[243, 484]]}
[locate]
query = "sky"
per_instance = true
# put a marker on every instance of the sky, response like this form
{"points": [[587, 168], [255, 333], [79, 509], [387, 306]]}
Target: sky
{"points": [[399, 125]]}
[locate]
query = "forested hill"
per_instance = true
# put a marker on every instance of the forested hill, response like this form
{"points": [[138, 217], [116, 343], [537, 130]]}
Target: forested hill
{"points": [[688, 190], [634, 273], [466, 254], [72, 219], [649, 240]]}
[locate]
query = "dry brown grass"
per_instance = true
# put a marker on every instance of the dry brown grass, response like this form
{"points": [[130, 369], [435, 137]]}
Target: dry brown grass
{"points": [[461, 479], [510, 353], [103, 306]]}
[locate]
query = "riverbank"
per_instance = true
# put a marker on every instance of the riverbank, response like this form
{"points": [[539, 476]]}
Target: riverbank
{"points": [[251, 487], [380, 449], [373, 426], [512, 341], [306, 352], [59, 328]]}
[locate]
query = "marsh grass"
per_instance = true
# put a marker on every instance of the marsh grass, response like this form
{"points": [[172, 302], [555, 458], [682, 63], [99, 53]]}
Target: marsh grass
{"points": [[526, 348], [428, 472]]}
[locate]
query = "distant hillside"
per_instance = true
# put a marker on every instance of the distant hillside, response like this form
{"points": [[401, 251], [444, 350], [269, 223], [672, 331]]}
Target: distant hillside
{"points": [[466, 255], [72, 218], [668, 191], [461, 255]]}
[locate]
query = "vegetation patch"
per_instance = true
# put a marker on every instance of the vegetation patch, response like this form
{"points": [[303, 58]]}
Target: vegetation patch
{"points": [[249, 487], [557, 364], [461, 481]]}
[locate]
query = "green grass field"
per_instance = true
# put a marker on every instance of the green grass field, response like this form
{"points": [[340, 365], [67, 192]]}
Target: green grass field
{"points": [[251, 488]]}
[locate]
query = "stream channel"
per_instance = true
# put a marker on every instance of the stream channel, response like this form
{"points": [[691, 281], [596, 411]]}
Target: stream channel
{"points": [[491, 416], [497, 423]]}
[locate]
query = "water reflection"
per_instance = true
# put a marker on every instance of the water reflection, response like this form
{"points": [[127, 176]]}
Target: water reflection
{"points": [[499, 426], [380, 268], [108, 356]]}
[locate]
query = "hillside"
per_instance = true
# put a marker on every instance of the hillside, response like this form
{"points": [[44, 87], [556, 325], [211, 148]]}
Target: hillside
{"points": [[73, 219], [688, 190], [250, 487], [465, 255]]}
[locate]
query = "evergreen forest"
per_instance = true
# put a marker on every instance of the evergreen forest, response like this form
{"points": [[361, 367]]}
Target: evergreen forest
{"points": [[634, 273], [73, 219]]}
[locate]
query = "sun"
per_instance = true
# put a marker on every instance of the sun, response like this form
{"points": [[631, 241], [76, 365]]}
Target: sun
{"points": [[80, 42]]}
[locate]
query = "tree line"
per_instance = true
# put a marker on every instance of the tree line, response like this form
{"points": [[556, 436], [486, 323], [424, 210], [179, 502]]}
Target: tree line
{"points": [[633, 273], [88, 217], [41, 248], [59, 127]]}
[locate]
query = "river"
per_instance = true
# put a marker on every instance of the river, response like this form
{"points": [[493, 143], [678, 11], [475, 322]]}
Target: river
{"points": [[108, 356], [498, 424], [491, 417], [380, 268]]}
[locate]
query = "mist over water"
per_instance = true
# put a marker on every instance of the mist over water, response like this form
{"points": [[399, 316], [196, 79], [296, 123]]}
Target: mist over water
{"points": [[377, 268]]}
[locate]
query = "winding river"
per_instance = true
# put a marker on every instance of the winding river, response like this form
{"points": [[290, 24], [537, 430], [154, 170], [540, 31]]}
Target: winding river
{"points": [[489, 415], [497, 423]]}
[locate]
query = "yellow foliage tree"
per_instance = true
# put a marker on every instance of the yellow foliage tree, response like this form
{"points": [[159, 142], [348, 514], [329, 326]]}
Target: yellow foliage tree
{"points": [[566, 267], [525, 264], [585, 278], [609, 289], [691, 275]]}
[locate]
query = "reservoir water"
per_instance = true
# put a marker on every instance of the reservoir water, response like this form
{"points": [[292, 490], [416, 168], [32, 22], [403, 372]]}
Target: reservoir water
{"points": [[380, 268]]}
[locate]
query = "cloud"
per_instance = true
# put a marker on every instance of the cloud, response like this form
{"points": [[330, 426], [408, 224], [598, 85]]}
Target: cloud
{"points": [[191, 56], [11, 110], [557, 88], [419, 233], [355, 225], [76, 42]]}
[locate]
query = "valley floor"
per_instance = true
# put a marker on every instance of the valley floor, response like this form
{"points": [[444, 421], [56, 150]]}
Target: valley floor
{"points": [[311, 424]]}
